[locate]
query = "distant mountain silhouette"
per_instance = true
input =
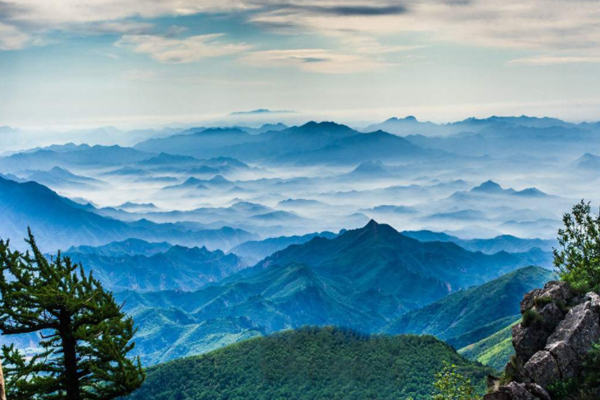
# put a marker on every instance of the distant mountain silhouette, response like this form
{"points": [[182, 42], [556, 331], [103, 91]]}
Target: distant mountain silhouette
{"points": [[311, 143], [61, 223]]}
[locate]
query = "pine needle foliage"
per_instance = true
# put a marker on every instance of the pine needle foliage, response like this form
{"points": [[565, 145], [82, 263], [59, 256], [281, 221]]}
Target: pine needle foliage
{"points": [[85, 336]]}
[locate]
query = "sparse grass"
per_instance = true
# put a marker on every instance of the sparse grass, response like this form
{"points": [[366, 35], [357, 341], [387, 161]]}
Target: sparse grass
{"points": [[542, 301], [530, 317]]}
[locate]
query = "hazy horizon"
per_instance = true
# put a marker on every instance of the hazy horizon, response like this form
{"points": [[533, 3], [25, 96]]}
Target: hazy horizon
{"points": [[162, 62]]}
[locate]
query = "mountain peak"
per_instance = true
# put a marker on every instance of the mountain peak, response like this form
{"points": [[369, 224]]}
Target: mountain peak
{"points": [[371, 225], [329, 126], [488, 187]]}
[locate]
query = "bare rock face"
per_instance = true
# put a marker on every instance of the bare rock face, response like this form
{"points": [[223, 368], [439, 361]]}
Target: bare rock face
{"points": [[542, 369], [558, 291], [519, 391], [527, 340], [553, 343]]}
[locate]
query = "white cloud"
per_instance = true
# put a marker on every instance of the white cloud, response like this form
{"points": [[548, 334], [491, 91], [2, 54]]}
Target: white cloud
{"points": [[62, 13], [555, 60], [523, 24], [179, 51], [539, 25], [313, 60], [12, 38]]}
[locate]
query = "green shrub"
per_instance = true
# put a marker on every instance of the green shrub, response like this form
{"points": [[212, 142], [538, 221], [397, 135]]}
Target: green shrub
{"points": [[542, 301], [562, 306], [530, 317], [591, 367], [563, 389], [584, 388], [578, 258], [451, 385], [510, 372]]}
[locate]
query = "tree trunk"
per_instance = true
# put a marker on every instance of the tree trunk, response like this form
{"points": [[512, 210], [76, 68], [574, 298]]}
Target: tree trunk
{"points": [[2, 389], [70, 357]]}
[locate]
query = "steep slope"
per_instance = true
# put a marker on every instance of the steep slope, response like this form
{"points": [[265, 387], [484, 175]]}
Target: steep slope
{"points": [[489, 308], [178, 268], [311, 363], [258, 250], [494, 350], [362, 256]]}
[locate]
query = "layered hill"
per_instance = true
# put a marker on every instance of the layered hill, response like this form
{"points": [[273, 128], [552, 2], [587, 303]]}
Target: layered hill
{"points": [[310, 363], [494, 350], [61, 223], [311, 143], [508, 243], [178, 268], [471, 315], [82, 156], [362, 279], [371, 256]]}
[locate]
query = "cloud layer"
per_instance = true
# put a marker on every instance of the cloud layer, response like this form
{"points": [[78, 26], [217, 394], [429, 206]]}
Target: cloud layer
{"points": [[553, 31], [178, 51], [545, 24]]}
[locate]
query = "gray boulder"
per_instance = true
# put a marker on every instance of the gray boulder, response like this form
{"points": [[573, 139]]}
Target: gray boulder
{"points": [[518, 391], [552, 347], [542, 369], [580, 328], [567, 346], [558, 291], [527, 340]]}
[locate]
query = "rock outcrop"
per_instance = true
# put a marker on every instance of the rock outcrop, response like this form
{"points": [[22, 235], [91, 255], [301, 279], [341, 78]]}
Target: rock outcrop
{"points": [[557, 331]]}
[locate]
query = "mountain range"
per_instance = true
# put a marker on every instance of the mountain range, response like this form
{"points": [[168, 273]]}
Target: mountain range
{"points": [[175, 268], [362, 279], [312, 143], [61, 223]]}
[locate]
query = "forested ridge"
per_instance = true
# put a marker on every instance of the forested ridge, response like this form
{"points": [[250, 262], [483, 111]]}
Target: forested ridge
{"points": [[310, 363]]}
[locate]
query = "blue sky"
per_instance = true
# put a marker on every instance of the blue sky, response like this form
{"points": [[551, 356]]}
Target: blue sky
{"points": [[144, 63]]}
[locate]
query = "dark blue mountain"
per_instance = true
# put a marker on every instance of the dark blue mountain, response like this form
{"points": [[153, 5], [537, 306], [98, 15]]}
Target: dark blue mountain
{"points": [[61, 223]]}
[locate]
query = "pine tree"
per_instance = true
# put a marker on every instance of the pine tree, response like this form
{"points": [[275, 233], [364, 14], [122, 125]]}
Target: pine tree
{"points": [[84, 335]]}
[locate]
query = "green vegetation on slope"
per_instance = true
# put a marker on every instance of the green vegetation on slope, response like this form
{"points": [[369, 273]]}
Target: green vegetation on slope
{"points": [[361, 280], [177, 268], [489, 307], [493, 351], [310, 363]]}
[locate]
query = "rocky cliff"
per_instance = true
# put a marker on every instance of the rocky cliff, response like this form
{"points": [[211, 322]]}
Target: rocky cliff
{"points": [[558, 329]]}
